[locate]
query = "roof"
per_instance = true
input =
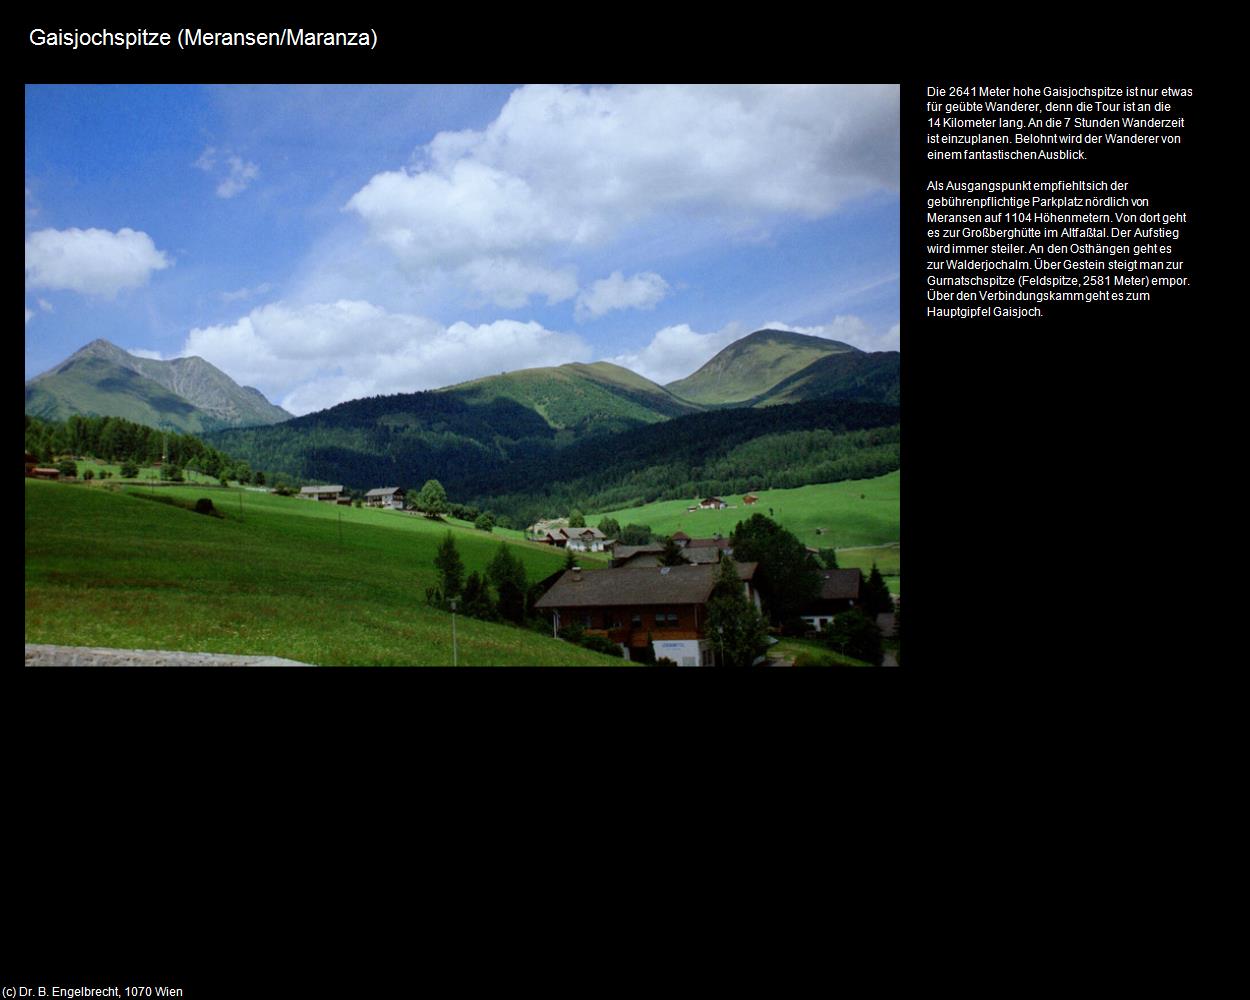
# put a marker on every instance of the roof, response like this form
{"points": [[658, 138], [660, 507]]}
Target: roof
{"points": [[629, 551], [582, 532], [679, 535], [384, 491], [631, 586], [708, 543], [839, 584], [711, 500], [321, 489]]}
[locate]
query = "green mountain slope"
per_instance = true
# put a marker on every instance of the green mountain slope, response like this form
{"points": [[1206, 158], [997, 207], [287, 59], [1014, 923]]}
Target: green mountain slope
{"points": [[868, 376], [579, 398], [750, 367], [184, 394]]}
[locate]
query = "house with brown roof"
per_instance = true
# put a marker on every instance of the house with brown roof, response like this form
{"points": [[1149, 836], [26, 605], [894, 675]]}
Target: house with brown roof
{"points": [[750, 498], [712, 503], [663, 606], [699, 551], [839, 591]]}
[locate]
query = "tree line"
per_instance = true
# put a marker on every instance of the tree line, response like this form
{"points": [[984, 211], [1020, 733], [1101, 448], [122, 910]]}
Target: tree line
{"points": [[114, 439]]}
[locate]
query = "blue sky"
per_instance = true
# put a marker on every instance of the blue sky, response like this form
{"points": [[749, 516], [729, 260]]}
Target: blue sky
{"points": [[325, 243]]}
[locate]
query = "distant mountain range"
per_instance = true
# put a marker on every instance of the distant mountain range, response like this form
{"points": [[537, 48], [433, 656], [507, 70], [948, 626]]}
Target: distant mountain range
{"points": [[184, 394], [772, 409], [775, 408]]}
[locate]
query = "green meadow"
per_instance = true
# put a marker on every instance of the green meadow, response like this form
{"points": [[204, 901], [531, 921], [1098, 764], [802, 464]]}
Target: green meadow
{"points": [[278, 576], [859, 518]]}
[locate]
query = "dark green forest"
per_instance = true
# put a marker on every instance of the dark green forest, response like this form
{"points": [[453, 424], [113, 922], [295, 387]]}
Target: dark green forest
{"points": [[504, 456]]}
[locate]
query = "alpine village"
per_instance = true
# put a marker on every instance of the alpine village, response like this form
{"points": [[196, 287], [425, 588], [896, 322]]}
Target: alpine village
{"points": [[745, 515]]}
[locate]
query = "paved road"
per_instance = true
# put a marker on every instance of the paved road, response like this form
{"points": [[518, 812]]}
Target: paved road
{"points": [[96, 656]]}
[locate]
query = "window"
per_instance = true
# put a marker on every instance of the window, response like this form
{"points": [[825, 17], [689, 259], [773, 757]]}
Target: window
{"points": [[672, 618], [636, 621]]}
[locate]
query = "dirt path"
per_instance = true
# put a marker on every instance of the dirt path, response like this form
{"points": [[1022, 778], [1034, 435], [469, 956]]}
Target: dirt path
{"points": [[96, 656]]}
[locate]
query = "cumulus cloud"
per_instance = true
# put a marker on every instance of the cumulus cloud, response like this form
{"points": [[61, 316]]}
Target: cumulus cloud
{"points": [[314, 356], [91, 261], [239, 173], [509, 282], [677, 351], [565, 166], [642, 291]]}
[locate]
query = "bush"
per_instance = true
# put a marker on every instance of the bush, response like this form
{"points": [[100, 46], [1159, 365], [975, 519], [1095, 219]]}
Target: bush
{"points": [[484, 522], [601, 644], [129, 470], [854, 634], [204, 506], [88, 475], [67, 468]]}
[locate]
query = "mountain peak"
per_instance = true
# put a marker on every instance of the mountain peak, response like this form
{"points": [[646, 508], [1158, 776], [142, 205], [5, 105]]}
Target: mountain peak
{"points": [[190, 394], [754, 364]]}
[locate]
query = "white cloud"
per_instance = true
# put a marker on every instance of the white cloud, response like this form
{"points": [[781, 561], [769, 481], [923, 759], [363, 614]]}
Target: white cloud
{"points": [[849, 330], [246, 293], [239, 173], [207, 160], [143, 352], [29, 313], [509, 282], [565, 167], [678, 351], [314, 356], [642, 291], [45, 305], [91, 261]]}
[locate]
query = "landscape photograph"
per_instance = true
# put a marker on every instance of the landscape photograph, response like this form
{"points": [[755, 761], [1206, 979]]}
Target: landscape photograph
{"points": [[462, 376]]}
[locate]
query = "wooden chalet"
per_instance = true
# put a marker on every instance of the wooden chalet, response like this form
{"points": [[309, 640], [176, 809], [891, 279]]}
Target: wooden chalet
{"points": [[586, 539], [328, 494], [712, 503], [749, 499], [664, 606], [386, 496], [577, 539], [839, 591]]}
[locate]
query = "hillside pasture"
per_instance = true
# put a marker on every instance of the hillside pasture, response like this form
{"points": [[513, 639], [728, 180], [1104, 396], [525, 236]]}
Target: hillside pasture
{"points": [[285, 577]]}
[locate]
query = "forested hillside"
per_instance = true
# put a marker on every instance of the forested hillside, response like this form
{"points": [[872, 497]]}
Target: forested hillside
{"points": [[504, 456]]}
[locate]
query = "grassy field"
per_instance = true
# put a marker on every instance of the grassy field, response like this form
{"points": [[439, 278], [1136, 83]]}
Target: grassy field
{"points": [[283, 577], [859, 518], [810, 653]]}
